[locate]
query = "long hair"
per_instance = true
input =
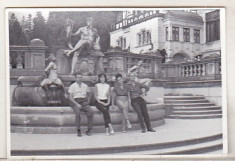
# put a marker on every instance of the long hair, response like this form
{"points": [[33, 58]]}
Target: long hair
{"points": [[105, 77]]}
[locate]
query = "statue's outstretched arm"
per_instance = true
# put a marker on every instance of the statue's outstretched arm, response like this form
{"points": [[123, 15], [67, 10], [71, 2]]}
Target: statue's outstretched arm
{"points": [[79, 31]]}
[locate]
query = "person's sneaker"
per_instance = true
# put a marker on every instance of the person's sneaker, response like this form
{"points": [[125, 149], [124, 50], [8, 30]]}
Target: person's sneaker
{"points": [[143, 130], [107, 131], [124, 129], [88, 132], [128, 124], [151, 130], [79, 134], [111, 128]]}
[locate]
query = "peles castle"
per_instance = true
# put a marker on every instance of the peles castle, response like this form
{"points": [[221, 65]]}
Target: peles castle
{"points": [[180, 47], [181, 34]]}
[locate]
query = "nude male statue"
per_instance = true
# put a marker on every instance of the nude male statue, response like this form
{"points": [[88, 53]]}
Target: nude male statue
{"points": [[89, 37]]}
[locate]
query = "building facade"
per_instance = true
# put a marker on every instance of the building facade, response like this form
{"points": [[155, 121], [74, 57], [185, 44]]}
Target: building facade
{"points": [[182, 34]]}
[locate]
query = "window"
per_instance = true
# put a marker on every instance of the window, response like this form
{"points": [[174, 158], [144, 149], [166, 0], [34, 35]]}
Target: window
{"points": [[124, 43], [196, 36], [175, 33], [166, 33], [213, 26], [186, 34], [148, 35], [118, 43], [144, 37], [139, 39], [121, 42]]}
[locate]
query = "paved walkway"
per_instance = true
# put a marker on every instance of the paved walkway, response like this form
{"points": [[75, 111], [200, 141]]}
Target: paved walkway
{"points": [[173, 130]]}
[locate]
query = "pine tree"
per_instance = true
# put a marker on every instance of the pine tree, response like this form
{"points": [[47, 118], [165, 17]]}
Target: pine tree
{"points": [[23, 23], [29, 28], [40, 28], [16, 35]]}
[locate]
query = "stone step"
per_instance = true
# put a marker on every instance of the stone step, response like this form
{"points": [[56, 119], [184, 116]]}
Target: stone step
{"points": [[183, 97], [190, 104], [172, 116], [178, 94], [72, 129], [69, 119], [185, 101], [68, 109], [212, 108], [205, 112], [129, 148], [59, 119], [199, 148]]}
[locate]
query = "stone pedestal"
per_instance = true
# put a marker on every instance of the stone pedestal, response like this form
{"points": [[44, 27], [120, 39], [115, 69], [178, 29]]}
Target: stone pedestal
{"points": [[35, 56], [63, 62], [88, 63]]}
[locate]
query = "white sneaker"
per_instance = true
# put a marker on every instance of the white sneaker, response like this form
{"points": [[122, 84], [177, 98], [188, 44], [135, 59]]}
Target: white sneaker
{"points": [[128, 124], [107, 131], [111, 128]]}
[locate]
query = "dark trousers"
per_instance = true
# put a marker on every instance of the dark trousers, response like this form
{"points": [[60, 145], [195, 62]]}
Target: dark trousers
{"points": [[105, 111], [139, 105], [85, 107]]}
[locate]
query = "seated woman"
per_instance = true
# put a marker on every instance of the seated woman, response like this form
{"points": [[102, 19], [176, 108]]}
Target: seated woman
{"points": [[51, 71], [121, 100], [103, 98]]}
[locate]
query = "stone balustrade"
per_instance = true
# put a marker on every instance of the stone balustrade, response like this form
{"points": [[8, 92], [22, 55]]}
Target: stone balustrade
{"points": [[121, 62], [209, 68], [27, 60], [28, 57]]}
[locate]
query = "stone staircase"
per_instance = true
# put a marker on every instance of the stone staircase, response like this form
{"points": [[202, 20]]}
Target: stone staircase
{"points": [[191, 107]]}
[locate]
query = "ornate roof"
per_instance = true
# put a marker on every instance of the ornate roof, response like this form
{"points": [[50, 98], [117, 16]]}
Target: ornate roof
{"points": [[183, 15]]}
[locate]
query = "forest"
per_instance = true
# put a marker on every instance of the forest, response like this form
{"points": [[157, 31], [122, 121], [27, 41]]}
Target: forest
{"points": [[52, 29]]}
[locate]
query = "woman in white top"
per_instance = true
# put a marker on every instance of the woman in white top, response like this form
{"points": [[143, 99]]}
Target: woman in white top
{"points": [[103, 100]]}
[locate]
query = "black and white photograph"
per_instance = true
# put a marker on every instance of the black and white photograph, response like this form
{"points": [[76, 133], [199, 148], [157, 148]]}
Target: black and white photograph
{"points": [[116, 82]]}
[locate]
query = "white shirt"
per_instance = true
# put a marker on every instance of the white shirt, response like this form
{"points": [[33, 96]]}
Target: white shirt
{"points": [[102, 91], [78, 91]]}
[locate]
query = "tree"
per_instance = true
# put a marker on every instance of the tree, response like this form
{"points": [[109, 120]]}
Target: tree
{"points": [[29, 28], [16, 35], [23, 23], [39, 28]]}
